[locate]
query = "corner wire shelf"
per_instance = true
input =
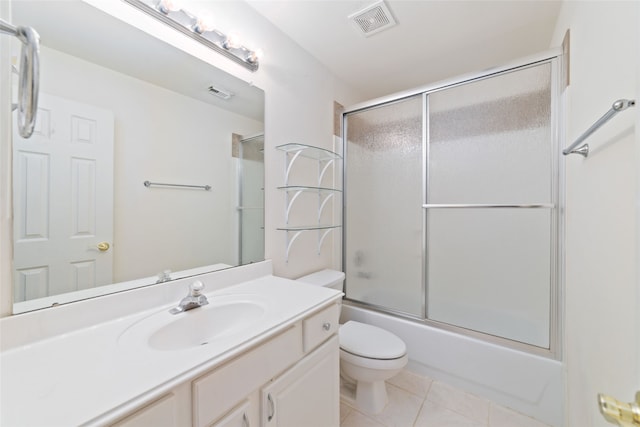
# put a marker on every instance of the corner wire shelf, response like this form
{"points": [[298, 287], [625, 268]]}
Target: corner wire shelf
{"points": [[323, 232], [325, 159], [324, 195], [294, 151]]}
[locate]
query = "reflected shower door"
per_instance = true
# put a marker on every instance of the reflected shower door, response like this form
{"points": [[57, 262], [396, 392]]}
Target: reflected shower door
{"points": [[383, 194], [251, 199], [491, 205]]}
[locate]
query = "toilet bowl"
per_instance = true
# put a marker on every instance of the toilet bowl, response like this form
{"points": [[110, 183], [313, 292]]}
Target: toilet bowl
{"points": [[369, 355]]}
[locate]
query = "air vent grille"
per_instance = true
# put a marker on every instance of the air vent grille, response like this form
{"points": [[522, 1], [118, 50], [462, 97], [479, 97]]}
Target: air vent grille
{"points": [[373, 19], [220, 93]]}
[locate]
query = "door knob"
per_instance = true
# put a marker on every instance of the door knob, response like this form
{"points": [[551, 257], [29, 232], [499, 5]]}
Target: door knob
{"points": [[103, 246], [622, 414]]}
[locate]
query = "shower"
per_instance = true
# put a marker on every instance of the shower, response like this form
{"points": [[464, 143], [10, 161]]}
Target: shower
{"points": [[452, 203], [248, 153]]}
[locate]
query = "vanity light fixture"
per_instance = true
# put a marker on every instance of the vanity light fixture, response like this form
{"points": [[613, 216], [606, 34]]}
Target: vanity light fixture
{"points": [[166, 6], [232, 41], [200, 28], [204, 23], [255, 55]]}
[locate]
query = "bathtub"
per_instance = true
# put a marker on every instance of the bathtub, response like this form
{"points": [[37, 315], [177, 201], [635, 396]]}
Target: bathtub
{"points": [[527, 383]]}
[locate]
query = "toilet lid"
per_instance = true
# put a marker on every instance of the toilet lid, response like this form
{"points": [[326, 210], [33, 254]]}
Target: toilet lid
{"points": [[370, 341]]}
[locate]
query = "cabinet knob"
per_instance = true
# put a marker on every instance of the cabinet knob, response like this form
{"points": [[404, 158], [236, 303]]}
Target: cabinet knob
{"points": [[326, 326]]}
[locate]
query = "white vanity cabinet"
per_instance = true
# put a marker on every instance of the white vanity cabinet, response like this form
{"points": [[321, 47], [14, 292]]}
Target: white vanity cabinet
{"points": [[286, 381], [245, 415], [170, 410], [162, 412], [305, 395]]}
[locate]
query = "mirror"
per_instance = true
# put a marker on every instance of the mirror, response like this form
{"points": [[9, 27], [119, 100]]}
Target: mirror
{"points": [[109, 120]]}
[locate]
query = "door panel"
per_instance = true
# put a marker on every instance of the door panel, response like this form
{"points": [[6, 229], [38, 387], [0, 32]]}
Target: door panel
{"points": [[57, 227]]}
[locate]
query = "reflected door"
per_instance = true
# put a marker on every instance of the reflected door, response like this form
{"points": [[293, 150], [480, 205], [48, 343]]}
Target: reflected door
{"points": [[63, 233], [251, 199]]}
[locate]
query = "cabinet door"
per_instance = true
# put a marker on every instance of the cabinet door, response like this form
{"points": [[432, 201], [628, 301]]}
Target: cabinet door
{"points": [[239, 417], [308, 394], [219, 391]]}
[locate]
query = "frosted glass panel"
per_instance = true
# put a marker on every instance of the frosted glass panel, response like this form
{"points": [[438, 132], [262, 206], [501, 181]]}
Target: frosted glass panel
{"points": [[490, 140], [489, 270], [383, 227]]}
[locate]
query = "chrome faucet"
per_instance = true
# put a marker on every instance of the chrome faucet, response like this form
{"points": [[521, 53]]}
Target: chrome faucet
{"points": [[195, 299]]}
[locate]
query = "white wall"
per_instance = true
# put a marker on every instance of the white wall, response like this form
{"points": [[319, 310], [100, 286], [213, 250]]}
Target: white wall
{"points": [[602, 296]]}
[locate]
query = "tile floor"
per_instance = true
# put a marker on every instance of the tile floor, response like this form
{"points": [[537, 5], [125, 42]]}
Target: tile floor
{"points": [[416, 401]]}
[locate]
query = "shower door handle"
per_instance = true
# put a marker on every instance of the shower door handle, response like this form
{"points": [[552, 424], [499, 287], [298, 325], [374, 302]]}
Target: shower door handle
{"points": [[616, 412]]}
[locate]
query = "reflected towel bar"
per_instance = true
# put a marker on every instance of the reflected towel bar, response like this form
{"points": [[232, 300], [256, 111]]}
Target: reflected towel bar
{"points": [[488, 205], [149, 184], [29, 81], [583, 150]]}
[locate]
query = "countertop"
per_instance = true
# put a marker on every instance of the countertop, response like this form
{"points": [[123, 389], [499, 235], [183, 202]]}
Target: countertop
{"points": [[97, 374]]}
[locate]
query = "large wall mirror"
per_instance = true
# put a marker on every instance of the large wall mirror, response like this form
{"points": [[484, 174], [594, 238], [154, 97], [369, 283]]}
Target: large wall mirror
{"points": [[119, 108]]}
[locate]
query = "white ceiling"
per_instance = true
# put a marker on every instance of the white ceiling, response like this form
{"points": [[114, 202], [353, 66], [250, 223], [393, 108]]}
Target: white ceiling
{"points": [[433, 40]]}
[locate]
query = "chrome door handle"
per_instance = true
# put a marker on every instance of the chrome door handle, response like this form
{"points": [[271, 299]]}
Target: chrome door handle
{"points": [[616, 412]]}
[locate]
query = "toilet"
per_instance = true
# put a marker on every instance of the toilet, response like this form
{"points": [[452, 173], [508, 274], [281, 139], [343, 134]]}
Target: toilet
{"points": [[369, 355]]}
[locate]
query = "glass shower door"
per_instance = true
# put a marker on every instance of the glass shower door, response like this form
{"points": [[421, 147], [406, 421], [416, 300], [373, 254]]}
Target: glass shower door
{"points": [[251, 199], [491, 205], [383, 193]]}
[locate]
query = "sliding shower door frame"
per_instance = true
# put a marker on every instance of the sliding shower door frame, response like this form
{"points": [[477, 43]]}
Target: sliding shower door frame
{"points": [[555, 59]]}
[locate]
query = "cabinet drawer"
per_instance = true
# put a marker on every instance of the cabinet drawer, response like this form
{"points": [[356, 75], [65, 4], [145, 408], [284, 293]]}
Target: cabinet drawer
{"points": [[320, 326], [217, 392]]}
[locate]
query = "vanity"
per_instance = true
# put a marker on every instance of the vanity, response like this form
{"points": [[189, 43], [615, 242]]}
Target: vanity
{"points": [[263, 352]]}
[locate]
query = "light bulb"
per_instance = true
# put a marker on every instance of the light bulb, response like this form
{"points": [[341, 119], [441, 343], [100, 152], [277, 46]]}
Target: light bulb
{"points": [[204, 22], [255, 56], [232, 41], [166, 6]]}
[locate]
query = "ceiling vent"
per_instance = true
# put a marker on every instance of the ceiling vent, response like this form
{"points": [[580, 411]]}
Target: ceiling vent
{"points": [[220, 93], [373, 19]]}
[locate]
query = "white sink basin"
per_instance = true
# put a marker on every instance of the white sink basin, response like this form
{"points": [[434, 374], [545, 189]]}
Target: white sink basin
{"points": [[220, 319]]}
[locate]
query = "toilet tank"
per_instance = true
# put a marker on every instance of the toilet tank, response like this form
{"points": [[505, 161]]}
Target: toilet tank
{"points": [[328, 278]]}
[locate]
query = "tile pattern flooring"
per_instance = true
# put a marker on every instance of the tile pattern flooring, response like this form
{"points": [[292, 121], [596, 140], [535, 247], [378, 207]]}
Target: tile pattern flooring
{"points": [[416, 401]]}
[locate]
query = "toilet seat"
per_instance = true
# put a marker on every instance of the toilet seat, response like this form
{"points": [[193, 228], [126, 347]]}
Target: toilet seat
{"points": [[370, 342]]}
